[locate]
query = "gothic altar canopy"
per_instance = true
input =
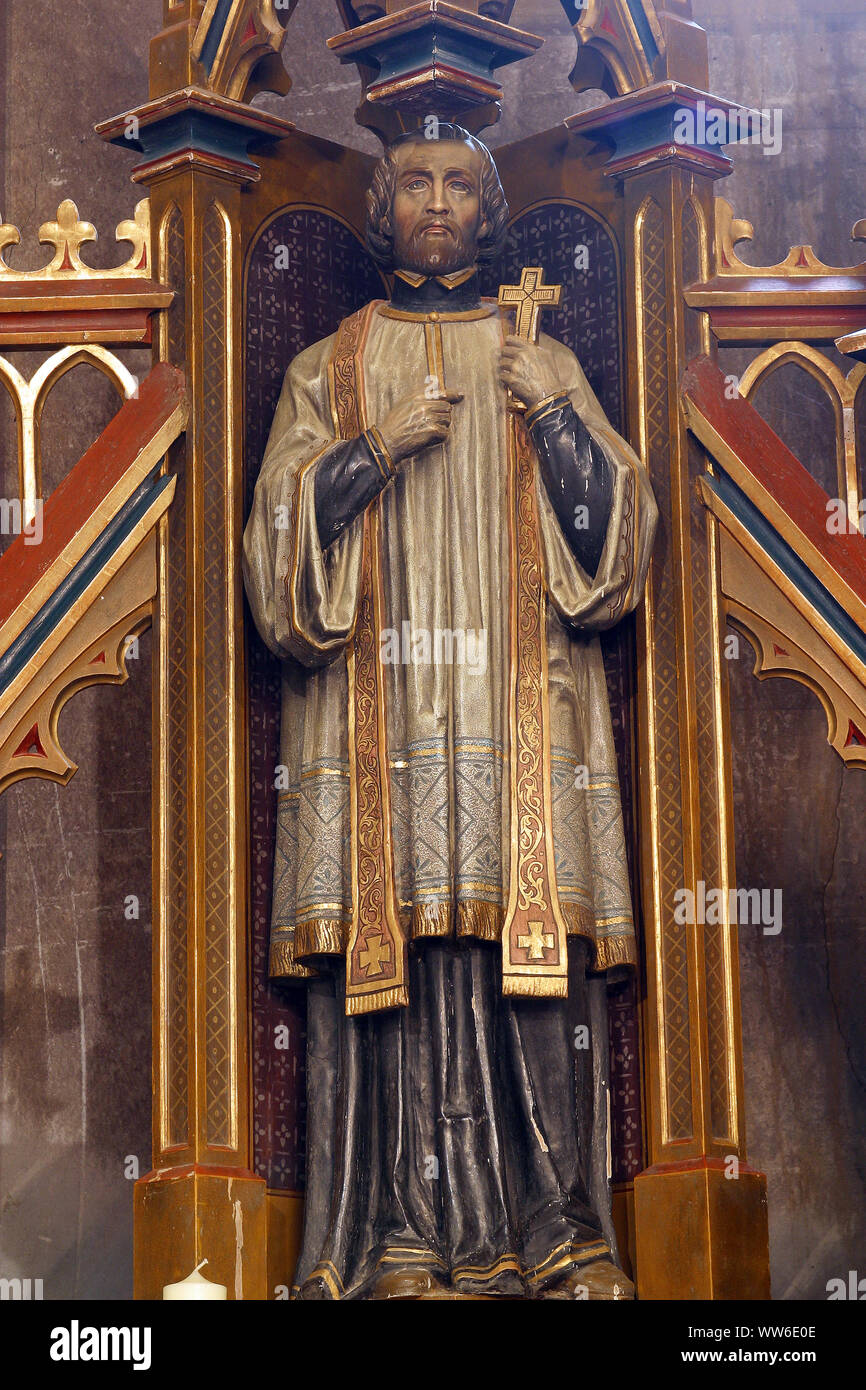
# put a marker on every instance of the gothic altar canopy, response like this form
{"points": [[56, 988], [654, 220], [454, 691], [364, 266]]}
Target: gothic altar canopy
{"points": [[442, 511]]}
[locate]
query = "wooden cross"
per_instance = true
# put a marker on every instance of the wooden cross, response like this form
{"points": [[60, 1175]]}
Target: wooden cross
{"points": [[537, 941], [377, 951], [528, 299]]}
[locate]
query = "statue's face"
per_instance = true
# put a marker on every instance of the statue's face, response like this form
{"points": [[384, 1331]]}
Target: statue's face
{"points": [[436, 217]]}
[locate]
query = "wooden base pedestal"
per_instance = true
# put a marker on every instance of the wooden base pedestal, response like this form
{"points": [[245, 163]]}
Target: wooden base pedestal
{"points": [[187, 1214], [700, 1233]]}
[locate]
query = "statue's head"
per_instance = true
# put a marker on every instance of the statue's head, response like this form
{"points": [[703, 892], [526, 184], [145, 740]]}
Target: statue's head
{"points": [[435, 204]]}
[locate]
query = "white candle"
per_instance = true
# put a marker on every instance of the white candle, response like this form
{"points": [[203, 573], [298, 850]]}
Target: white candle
{"points": [[195, 1286]]}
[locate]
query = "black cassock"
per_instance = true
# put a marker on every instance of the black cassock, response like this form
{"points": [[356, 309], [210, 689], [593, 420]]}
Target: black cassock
{"points": [[465, 1135]]}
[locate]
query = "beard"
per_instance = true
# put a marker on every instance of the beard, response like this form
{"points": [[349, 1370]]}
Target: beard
{"points": [[435, 255]]}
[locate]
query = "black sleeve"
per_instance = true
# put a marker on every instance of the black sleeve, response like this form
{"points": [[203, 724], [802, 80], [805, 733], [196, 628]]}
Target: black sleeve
{"points": [[348, 477], [576, 474]]}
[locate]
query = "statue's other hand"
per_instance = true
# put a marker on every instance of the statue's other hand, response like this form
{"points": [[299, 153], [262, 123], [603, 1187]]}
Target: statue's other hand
{"points": [[417, 421], [528, 370]]}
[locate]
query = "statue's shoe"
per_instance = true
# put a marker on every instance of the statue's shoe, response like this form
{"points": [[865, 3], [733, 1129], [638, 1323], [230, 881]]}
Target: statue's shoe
{"points": [[409, 1282], [600, 1279]]}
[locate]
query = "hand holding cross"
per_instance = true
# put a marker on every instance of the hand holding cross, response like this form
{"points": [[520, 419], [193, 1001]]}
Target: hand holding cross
{"points": [[528, 299], [527, 370]]}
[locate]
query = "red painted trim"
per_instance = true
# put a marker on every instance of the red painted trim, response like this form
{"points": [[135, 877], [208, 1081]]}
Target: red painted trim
{"points": [[846, 316], [670, 151], [129, 287], [467, 81], [87, 325], [191, 154], [31, 745], [773, 465]]}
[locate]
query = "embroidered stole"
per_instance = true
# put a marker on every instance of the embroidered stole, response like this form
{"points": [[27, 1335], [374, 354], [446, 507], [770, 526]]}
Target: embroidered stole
{"points": [[534, 949], [376, 950]]}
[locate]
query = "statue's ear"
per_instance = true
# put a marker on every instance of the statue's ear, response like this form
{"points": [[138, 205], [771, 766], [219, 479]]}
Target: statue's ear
{"points": [[484, 229]]}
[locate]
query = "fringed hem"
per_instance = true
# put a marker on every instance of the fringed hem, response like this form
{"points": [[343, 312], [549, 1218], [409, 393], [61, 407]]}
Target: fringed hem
{"points": [[396, 997], [535, 986], [615, 950], [321, 936], [481, 919], [428, 919], [282, 963], [328, 936]]}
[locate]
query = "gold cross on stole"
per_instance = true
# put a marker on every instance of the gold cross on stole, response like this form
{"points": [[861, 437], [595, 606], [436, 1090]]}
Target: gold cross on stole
{"points": [[528, 299], [537, 941], [376, 952]]}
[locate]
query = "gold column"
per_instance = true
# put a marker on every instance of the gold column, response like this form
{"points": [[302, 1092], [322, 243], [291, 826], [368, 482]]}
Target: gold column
{"points": [[700, 1210], [201, 1199]]}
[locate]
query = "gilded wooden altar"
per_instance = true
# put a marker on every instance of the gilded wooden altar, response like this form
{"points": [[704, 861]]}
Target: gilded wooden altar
{"points": [[228, 182]]}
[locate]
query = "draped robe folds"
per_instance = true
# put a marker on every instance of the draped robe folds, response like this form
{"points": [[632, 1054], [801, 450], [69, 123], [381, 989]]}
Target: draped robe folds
{"points": [[446, 570]]}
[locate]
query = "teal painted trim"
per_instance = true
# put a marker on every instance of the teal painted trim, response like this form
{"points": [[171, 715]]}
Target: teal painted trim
{"points": [[191, 129], [40, 627], [215, 33], [645, 33]]}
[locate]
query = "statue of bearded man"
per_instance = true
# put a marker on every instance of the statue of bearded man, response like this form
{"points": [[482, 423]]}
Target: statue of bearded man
{"points": [[450, 872]]}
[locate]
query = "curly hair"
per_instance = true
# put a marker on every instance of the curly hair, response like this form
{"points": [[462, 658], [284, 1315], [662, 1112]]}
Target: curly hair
{"points": [[380, 196]]}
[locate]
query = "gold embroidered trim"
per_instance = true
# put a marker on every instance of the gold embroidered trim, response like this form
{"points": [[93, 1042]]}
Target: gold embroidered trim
{"points": [[395, 1256], [534, 950], [438, 315], [376, 948], [281, 961], [328, 1272], [381, 456]]}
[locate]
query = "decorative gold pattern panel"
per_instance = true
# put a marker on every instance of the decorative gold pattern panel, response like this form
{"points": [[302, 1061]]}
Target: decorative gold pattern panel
{"points": [[220, 769], [173, 736], [711, 792], [662, 605]]}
